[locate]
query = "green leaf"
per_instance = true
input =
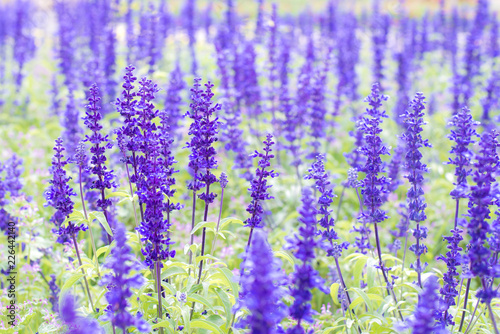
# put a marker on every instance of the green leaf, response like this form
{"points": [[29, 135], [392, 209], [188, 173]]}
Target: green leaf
{"points": [[102, 219], [226, 304], [334, 291], [172, 271], [118, 194], [206, 257], [70, 282], [227, 275], [226, 221], [165, 324], [193, 248], [101, 250], [201, 300], [206, 325], [358, 269], [284, 255], [203, 225]]}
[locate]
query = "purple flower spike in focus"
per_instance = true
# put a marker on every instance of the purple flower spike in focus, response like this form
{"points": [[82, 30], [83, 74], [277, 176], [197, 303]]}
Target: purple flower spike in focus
{"points": [[305, 277], [58, 195], [463, 135], [119, 282], [479, 212], [413, 121], [260, 293], [99, 142], [374, 185], [76, 323], [259, 186]]}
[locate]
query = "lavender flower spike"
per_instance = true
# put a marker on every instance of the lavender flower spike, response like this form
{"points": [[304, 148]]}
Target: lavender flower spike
{"points": [[119, 282], [259, 186], [479, 211], [413, 120], [260, 293], [58, 195], [105, 177], [305, 277]]}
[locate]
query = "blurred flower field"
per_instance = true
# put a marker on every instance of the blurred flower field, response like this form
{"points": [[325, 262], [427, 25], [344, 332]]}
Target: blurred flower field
{"points": [[248, 166]]}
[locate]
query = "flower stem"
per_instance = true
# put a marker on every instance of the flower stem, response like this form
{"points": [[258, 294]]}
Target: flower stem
{"points": [[193, 212], [158, 287], [465, 304], [218, 223], [83, 272], [90, 227]]}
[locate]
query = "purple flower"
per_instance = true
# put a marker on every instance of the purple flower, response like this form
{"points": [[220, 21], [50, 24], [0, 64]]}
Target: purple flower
{"points": [[72, 131], [223, 180], [260, 293], [317, 172], [380, 29], [318, 111], [99, 142], [449, 290], [119, 283], [374, 185], [58, 195], [472, 54], [10, 184], [305, 277], [173, 102], [259, 185], [355, 159], [463, 135], [154, 177], [479, 211], [76, 323], [428, 304], [203, 132], [413, 120]]}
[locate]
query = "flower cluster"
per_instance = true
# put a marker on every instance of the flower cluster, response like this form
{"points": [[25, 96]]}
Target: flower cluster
{"points": [[119, 283], [173, 101], [428, 304], [374, 185], [153, 179], [463, 135], [480, 201], [10, 184], [305, 278], [259, 185], [318, 173], [413, 120], [203, 132], [58, 195], [99, 142], [77, 324], [261, 295]]}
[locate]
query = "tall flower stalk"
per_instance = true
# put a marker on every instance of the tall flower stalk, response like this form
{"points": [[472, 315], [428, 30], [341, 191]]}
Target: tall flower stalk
{"points": [[327, 222], [81, 160], [374, 185], [203, 131], [481, 198], [105, 177], [305, 277], [413, 121], [259, 187], [151, 182], [462, 134], [58, 195]]}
